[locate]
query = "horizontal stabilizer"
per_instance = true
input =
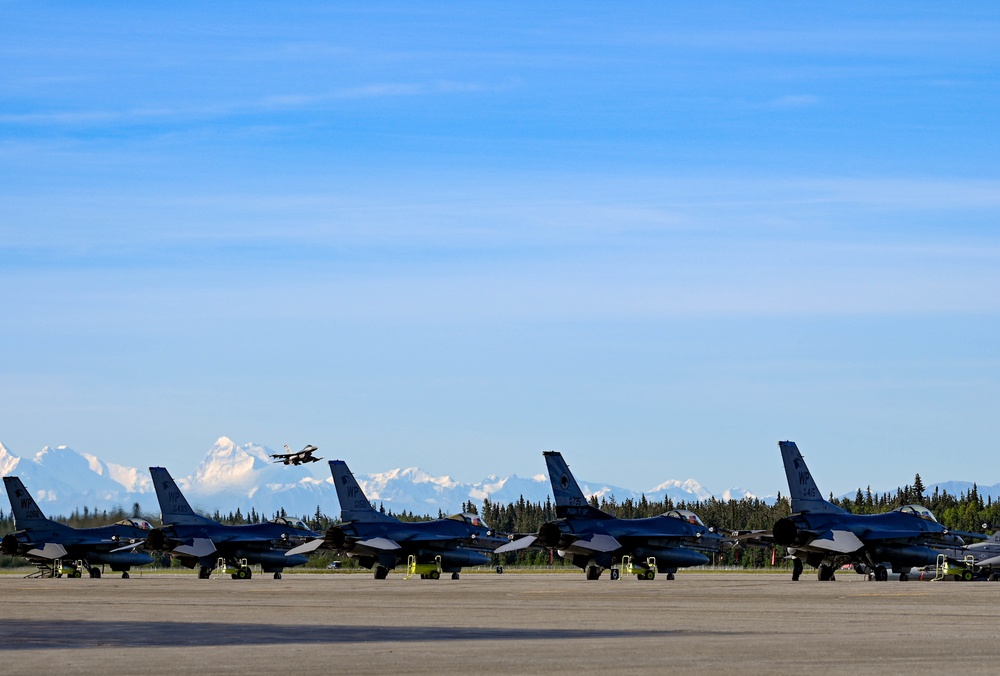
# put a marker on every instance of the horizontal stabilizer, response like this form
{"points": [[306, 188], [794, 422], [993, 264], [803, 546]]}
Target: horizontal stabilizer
{"points": [[840, 541], [379, 543], [199, 547], [50, 550], [598, 543], [520, 543], [306, 547]]}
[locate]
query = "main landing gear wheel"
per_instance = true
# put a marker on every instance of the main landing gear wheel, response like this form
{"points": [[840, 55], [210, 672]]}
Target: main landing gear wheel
{"points": [[381, 572], [454, 576], [95, 572], [881, 574], [593, 573], [277, 576], [903, 577], [615, 573], [825, 573], [670, 576], [125, 575], [204, 573], [796, 569]]}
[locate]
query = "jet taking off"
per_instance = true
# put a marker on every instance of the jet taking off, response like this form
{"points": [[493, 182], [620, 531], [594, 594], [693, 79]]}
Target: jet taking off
{"points": [[290, 458], [380, 542], [595, 540], [43, 542], [201, 542], [827, 537]]}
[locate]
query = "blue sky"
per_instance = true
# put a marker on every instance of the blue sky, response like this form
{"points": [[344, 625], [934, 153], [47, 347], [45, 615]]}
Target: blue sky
{"points": [[455, 235]]}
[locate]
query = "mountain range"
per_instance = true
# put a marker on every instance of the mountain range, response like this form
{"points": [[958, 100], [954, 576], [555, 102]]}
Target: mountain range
{"points": [[233, 476]]}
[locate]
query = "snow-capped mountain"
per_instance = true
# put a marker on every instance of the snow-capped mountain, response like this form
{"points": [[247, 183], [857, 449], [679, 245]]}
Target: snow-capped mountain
{"points": [[233, 476]]}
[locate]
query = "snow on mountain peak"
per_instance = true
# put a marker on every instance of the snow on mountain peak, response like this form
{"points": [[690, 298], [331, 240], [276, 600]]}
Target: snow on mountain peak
{"points": [[228, 464], [8, 461]]}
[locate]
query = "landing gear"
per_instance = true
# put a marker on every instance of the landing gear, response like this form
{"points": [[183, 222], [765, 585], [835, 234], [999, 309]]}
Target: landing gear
{"points": [[204, 573], [796, 569], [454, 576], [903, 577], [993, 577], [670, 576], [825, 573], [94, 572], [277, 576], [881, 574], [125, 575], [593, 573], [381, 572]]}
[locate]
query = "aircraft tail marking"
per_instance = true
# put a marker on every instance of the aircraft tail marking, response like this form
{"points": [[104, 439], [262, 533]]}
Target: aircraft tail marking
{"points": [[802, 488], [354, 506], [174, 507], [27, 513], [570, 500]]}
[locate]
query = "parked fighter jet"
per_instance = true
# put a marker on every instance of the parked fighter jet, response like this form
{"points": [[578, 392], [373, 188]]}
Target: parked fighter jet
{"points": [[290, 458], [827, 537], [57, 549], [201, 542], [595, 540], [380, 542]]}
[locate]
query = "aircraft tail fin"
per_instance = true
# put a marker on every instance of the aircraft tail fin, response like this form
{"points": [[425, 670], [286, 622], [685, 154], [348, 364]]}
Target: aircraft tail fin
{"points": [[570, 500], [802, 488], [174, 507], [27, 513], [354, 506]]}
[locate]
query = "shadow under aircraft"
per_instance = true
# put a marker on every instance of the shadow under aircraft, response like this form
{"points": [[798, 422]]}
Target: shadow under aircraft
{"points": [[595, 540], [57, 549], [200, 542], [827, 537], [381, 542]]}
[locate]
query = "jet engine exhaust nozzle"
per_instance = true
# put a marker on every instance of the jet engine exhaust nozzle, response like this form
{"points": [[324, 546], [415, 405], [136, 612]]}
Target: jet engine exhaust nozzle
{"points": [[786, 533], [9, 545]]}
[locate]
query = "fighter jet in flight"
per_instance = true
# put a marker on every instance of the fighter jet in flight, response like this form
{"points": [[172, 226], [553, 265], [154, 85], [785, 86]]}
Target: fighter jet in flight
{"points": [[200, 542], [594, 540], [381, 542], [57, 549], [827, 537], [291, 458]]}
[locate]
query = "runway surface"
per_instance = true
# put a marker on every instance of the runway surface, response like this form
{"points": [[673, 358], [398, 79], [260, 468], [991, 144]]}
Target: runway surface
{"points": [[511, 623]]}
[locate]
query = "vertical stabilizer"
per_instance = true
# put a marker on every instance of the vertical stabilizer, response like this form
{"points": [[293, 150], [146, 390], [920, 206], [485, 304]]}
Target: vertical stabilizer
{"points": [[354, 506], [801, 486], [570, 500], [174, 508], [27, 514]]}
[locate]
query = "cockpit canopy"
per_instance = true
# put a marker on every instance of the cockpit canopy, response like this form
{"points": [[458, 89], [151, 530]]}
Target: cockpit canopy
{"points": [[918, 510], [467, 517], [135, 523], [684, 515], [297, 524]]}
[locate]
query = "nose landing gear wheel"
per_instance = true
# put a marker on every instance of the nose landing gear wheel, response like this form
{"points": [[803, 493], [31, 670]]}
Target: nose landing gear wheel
{"points": [[796, 569], [381, 572], [454, 576]]}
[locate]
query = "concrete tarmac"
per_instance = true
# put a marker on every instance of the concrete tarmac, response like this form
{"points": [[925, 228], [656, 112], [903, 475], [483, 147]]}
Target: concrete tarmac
{"points": [[511, 624]]}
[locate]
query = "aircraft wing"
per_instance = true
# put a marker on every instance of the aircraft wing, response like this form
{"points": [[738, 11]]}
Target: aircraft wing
{"points": [[839, 541]]}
